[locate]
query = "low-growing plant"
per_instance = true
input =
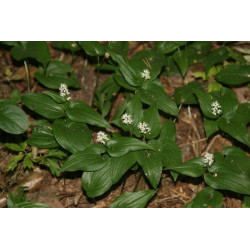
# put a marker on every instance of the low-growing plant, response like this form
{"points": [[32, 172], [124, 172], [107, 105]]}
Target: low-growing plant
{"points": [[72, 136]]}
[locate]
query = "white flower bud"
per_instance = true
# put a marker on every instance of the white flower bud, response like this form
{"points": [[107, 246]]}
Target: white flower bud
{"points": [[145, 74]]}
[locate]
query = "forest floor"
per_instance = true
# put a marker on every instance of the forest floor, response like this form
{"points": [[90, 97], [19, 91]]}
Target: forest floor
{"points": [[66, 191]]}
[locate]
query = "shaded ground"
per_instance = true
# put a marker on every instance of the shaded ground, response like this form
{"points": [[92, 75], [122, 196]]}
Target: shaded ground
{"points": [[66, 191]]}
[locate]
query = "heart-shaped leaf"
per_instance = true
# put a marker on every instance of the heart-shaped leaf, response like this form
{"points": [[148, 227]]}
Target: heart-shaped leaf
{"points": [[90, 159], [66, 45], [119, 47], [98, 182], [138, 199], [43, 105], [120, 165], [206, 198], [120, 146], [151, 162], [79, 111], [55, 96], [12, 119], [153, 94], [73, 136], [42, 136], [230, 171], [56, 73]]}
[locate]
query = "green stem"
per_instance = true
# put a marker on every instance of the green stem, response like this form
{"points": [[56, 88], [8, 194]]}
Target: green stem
{"points": [[178, 110], [27, 74]]}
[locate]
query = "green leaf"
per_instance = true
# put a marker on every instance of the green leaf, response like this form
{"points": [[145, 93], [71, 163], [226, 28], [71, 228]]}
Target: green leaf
{"points": [[171, 66], [228, 101], [43, 105], [119, 47], [79, 111], [120, 146], [193, 168], [244, 111], [230, 171], [32, 49], [168, 131], [151, 163], [13, 162], [150, 60], [216, 56], [213, 86], [119, 111], [72, 136], [152, 118], [29, 204], [56, 153], [56, 73], [55, 96], [53, 166], [234, 125], [206, 198], [98, 182], [153, 94], [180, 58], [42, 136], [16, 197], [246, 203], [205, 100], [210, 126], [234, 74], [12, 119], [186, 95], [90, 159], [15, 96], [93, 48], [27, 161], [120, 80], [66, 45], [120, 165], [134, 108], [130, 72], [39, 51], [168, 46], [196, 51], [171, 153], [20, 147], [138, 199]]}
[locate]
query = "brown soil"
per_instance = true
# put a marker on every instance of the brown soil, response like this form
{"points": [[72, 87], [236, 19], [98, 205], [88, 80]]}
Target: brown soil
{"points": [[66, 191]]}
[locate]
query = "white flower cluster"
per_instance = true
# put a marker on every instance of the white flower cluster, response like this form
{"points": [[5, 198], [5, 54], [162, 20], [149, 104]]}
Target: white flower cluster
{"points": [[143, 127], [64, 91], [102, 137], [127, 119], [145, 74], [208, 159], [216, 108]]}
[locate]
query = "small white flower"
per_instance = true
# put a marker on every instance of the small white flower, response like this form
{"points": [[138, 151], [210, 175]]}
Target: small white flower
{"points": [[143, 127], [145, 74], [64, 91], [102, 137], [216, 108], [107, 55], [127, 119], [208, 159]]}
